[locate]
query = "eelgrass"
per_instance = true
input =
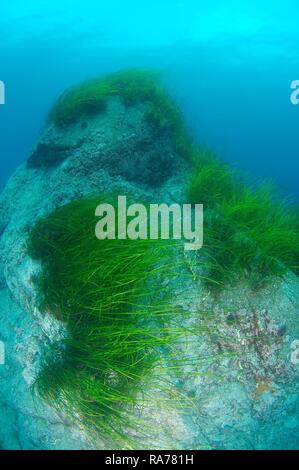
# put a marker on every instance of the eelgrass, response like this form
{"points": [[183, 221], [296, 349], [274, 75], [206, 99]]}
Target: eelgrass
{"points": [[107, 295], [249, 232], [132, 86], [212, 182]]}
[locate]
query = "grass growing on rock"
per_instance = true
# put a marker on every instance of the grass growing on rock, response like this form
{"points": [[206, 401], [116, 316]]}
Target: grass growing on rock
{"points": [[81, 101], [133, 86], [107, 296], [249, 232]]}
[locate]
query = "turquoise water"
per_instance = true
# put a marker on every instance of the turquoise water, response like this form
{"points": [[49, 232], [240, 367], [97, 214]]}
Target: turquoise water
{"points": [[230, 65]]}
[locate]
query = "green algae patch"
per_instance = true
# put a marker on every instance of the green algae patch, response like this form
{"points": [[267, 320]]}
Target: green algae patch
{"points": [[134, 85], [108, 295], [249, 231], [90, 97]]}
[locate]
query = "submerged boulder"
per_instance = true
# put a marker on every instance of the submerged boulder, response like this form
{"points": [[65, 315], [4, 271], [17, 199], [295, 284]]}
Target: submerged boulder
{"points": [[233, 351], [119, 141], [118, 150]]}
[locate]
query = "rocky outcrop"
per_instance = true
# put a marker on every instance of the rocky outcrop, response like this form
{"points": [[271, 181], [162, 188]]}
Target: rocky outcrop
{"points": [[112, 152], [116, 151], [27, 423], [243, 393]]}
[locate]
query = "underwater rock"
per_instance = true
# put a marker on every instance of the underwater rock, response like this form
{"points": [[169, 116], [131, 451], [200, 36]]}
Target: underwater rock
{"points": [[119, 140], [79, 160], [114, 151], [242, 387]]}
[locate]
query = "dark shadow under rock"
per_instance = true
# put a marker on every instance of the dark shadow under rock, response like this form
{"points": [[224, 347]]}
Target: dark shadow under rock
{"points": [[149, 162], [50, 154]]}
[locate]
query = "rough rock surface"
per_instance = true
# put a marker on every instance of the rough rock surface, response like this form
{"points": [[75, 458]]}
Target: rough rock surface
{"points": [[25, 422], [243, 393]]}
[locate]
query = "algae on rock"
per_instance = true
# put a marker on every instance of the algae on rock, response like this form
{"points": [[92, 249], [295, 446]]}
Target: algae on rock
{"points": [[234, 371]]}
